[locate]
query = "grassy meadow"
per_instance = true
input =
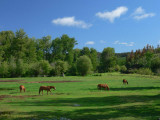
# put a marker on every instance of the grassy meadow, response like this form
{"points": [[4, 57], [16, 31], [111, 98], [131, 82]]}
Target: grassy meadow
{"points": [[77, 98]]}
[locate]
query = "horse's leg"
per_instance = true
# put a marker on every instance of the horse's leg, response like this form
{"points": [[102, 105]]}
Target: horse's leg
{"points": [[24, 89], [51, 92]]}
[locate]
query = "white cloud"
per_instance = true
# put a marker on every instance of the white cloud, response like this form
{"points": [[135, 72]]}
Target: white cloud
{"points": [[139, 10], [102, 41], [113, 14], [140, 13], [159, 42], [124, 43], [130, 44], [89, 43], [70, 21]]}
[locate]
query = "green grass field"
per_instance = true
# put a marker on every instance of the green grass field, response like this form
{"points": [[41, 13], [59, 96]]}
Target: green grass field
{"points": [[139, 100]]}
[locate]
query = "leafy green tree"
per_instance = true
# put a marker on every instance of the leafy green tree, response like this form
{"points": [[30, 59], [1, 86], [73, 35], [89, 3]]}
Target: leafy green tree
{"points": [[60, 67], [76, 54], [21, 68], [6, 39], [155, 64], [85, 51], [123, 69], [62, 48], [45, 67], [19, 45], [94, 59], [4, 69], [12, 67], [30, 53], [84, 65], [43, 48], [72, 70], [108, 59]]}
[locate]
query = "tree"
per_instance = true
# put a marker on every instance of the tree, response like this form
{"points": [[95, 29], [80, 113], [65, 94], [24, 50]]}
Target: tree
{"points": [[21, 68], [4, 69], [108, 59], [85, 51], [18, 46], [43, 48], [84, 65], [45, 67], [94, 59], [76, 54], [6, 39], [12, 67], [62, 48], [60, 67], [155, 64]]}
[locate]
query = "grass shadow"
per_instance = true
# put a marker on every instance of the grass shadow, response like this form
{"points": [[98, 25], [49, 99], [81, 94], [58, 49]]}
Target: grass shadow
{"points": [[137, 112], [95, 108], [126, 88], [7, 89]]}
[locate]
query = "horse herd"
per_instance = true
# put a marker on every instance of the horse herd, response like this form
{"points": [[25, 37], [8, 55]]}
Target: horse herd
{"points": [[48, 88]]}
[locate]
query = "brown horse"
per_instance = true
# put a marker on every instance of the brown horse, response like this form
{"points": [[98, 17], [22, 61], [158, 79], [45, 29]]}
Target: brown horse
{"points": [[48, 88], [21, 87], [125, 81], [100, 86]]}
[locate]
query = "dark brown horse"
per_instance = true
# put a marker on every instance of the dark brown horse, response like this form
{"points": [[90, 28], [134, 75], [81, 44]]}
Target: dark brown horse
{"points": [[48, 88], [21, 87], [125, 81], [100, 86]]}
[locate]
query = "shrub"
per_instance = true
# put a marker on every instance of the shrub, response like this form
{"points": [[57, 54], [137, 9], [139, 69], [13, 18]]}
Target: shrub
{"points": [[123, 69], [117, 68], [45, 67], [59, 68], [144, 71], [111, 69], [84, 65]]}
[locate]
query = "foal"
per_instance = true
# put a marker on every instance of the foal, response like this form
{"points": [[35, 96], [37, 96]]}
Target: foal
{"points": [[99, 86], [125, 81], [48, 88], [21, 87]]}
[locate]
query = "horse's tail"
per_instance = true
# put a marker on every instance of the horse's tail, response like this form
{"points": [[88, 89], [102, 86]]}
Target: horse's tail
{"points": [[127, 82]]}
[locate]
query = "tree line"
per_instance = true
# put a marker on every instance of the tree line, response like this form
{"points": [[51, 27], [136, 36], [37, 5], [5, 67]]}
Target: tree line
{"points": [[21, 56]]}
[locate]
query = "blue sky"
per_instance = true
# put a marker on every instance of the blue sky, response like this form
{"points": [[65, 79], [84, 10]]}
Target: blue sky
{"points": [[122, 24]]}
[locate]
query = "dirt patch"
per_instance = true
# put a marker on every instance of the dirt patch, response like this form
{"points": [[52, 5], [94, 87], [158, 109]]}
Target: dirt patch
{"points": [[4, 96], [57, 81], [20, 96], [50, 81], [10, 80]]}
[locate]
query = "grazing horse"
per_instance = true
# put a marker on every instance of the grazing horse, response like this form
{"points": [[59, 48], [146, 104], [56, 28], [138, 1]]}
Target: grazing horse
{"points": [[48, 88], [21, 87], [125, 81], [99, 86]]}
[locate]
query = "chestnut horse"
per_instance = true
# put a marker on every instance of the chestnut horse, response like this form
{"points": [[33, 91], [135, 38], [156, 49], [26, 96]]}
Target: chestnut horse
{"points": [[48, 88], [125, 81], [100, 86], [21, 87]]}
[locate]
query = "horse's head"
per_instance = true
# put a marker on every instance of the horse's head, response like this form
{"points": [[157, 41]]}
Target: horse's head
{"points": [[53, 87]]}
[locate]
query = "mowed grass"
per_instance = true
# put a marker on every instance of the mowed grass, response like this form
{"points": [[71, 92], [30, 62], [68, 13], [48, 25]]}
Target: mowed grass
{"points": [[139, 100]]}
